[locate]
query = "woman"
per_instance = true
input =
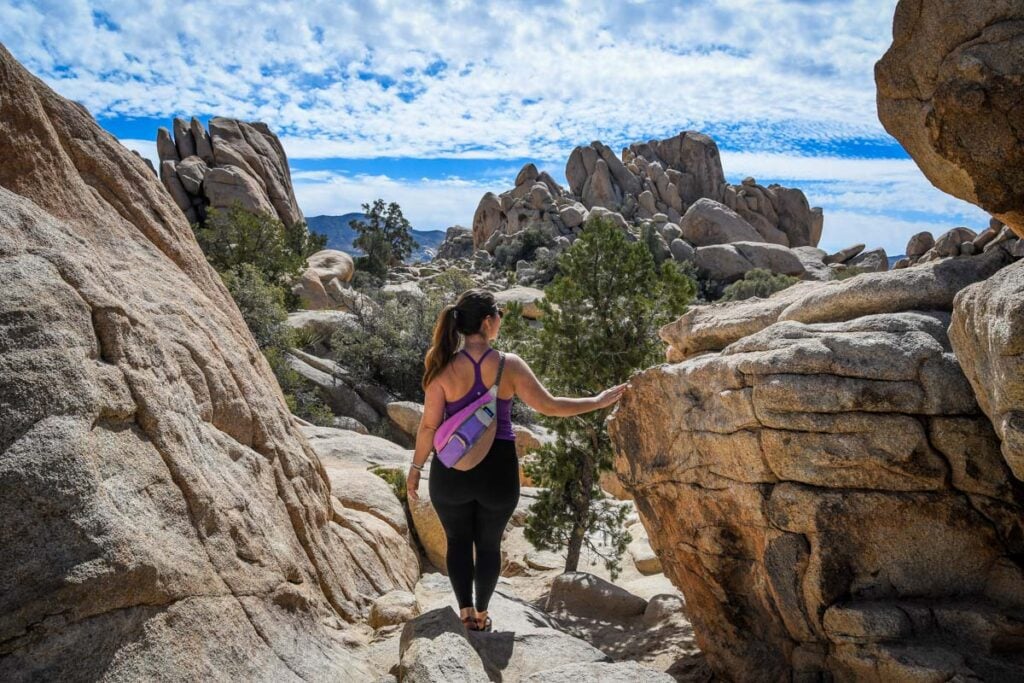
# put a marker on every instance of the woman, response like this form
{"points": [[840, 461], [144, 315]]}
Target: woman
{"points": [[475, 504]]}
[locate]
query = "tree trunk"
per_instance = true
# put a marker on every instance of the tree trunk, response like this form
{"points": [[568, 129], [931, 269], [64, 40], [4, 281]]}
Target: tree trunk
{"points": [[581, 512]]}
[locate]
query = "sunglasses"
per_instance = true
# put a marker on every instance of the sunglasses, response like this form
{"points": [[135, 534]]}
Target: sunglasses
{"points": [[500, 312]]}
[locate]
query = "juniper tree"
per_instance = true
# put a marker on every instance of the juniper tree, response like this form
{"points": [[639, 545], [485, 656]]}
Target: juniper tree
{"points": [[383, 236], [601, 317]]}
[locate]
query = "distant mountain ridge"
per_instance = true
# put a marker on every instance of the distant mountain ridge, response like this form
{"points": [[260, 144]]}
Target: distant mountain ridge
{"points": [[340, 235]]}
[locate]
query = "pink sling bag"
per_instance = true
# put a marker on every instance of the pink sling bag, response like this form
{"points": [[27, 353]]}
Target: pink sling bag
{"points": [[472, 427]]}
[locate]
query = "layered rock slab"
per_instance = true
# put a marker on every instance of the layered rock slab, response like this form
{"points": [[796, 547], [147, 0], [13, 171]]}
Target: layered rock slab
{"points": [[987, 332], [809, 468], [161, 514]]}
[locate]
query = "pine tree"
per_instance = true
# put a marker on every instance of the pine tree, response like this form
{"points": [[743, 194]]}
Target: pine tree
{"points": [[600, 323], [383, 236]]}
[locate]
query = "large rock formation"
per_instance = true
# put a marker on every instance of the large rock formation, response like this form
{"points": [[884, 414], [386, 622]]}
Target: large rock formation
{"points": [[656, 181], [161, 515], [949, 90], [668, 176], [234, 162], [830, 499]]}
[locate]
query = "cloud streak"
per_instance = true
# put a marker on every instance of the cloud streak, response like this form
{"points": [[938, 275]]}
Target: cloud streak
{"points": [[362, 79]]}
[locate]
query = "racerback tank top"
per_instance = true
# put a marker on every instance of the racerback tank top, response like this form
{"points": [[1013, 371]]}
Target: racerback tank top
{"points": [[504, 430]]}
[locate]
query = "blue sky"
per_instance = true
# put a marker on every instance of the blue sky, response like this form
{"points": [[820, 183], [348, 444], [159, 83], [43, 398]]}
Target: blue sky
{"points": [[431, 104]]}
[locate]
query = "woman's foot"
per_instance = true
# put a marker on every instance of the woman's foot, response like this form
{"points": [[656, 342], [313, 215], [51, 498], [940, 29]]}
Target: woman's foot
{"points": [[483, 622], [468, 617]]}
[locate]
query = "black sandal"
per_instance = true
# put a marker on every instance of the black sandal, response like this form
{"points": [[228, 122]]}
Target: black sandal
{"points": [[470, 623], [486, 626]]}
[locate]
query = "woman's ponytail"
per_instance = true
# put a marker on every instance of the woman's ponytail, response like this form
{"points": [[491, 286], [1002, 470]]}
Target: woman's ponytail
{"points": [[465, 316], [445, 344]]}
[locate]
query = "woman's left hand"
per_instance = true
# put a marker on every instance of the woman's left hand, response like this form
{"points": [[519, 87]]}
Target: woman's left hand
{"points": [[412, 484]]}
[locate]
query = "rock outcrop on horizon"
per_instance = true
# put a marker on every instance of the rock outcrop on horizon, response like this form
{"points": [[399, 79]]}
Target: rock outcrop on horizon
{"points": [[671, 193], [949, 91], [661, 181], [162, 516], [234, 162]]}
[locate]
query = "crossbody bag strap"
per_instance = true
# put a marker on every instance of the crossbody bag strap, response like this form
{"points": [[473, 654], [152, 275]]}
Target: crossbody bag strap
{"points": [[501, 368]]}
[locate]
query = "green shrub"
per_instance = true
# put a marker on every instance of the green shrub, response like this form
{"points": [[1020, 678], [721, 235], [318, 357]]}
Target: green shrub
{"points": [[299, 394], [388, 345], [261, 304], [601, 318], [757, 282], [394, 477], [384, 236], [508, 254], [234, 237]]}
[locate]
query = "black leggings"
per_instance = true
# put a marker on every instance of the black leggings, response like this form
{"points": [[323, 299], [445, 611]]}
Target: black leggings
{"points": [[474, 506]]}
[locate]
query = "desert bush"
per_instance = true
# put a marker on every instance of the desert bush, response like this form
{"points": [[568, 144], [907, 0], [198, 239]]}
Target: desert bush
{"points": [[758, 282]]}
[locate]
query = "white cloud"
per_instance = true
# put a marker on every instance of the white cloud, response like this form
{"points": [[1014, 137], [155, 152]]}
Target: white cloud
{"points": [[493, 79], [147, 148]]}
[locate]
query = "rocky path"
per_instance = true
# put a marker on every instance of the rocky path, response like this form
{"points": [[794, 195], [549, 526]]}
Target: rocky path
{"points": [[632, 628]]}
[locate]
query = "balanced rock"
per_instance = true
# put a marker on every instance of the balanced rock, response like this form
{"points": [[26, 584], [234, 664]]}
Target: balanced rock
{"points": [[946, 90], [331, 263], [729, 262], [235, 162], [708, 222]]}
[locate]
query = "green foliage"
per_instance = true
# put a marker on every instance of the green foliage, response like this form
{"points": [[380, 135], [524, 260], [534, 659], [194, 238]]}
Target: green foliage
{"points": [[262, 304], [394, 477], [650, 236], [388, 345], [600, 322], [522, 246], [257, 257], [305, 338], [758, 282], [300, 396], [449, 284], [232, 237], [384, 237]]}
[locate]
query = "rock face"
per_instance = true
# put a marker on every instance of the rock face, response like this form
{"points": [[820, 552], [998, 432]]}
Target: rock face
{"points": [[829, 498], [929, 287], [728, 262], [235, 162], [707, 222], [988, 334], [949, 91], [162, 516], [458, 243]]}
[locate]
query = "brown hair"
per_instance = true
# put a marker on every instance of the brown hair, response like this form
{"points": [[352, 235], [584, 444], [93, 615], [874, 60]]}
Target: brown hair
{"points": [[465, 316]]}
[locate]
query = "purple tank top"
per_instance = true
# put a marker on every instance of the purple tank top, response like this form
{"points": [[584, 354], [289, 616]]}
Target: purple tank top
{"points": [[504, 404]]}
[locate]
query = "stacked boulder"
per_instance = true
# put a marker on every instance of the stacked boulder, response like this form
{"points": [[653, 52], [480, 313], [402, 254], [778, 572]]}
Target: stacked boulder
{"points": [[958, 242], [834, 476], [676, 190], [949, 91], [536, 200], [235, 162]]}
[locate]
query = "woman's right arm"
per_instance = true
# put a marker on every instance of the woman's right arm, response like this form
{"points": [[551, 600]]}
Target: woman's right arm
{"points": [[535, 395]]}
